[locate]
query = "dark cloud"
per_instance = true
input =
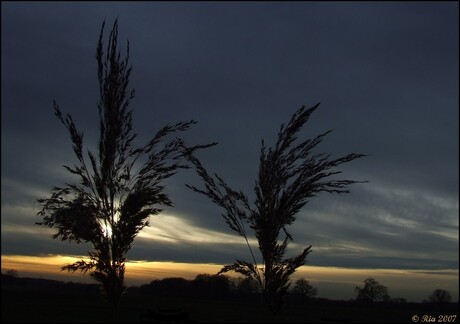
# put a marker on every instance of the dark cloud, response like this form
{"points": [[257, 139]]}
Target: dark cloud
{"points": [[386, 75]]}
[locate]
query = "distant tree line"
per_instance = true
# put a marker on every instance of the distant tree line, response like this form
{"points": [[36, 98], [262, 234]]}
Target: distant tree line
{"points": [[11, 279], [203, 285], [209, 286], [373, 291], [221, 286], [217, 286]]}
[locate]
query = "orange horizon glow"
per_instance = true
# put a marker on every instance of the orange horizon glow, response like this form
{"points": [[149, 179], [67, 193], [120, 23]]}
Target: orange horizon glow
{"points": [[135, 270], [327, 278]]}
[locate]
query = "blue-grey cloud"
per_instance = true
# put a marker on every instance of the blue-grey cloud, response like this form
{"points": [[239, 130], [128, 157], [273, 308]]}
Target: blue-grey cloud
{"points": [[386, 75]]}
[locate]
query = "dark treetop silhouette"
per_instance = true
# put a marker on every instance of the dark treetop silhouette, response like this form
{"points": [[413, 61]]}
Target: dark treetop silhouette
{"points": [[116, 193], [288, 176], [303, 288], [440, 296], [372, 291]]}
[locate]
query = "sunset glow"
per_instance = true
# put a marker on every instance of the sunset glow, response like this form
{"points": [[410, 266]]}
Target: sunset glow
{"points": [[332, 282]]}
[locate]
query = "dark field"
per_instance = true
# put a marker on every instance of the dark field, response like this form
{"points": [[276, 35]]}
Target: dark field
{"points": [[32, 300]]}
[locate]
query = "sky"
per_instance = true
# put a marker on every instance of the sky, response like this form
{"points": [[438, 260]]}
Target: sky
{"points": [[385, 73]]}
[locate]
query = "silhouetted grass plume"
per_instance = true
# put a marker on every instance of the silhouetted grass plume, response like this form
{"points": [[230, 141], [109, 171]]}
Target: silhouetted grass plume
{"points": [[117, 193], [289, 175]]}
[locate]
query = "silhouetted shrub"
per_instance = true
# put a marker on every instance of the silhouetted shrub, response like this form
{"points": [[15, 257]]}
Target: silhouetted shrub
{"points": [[211, 285], [372, 291], [440, 296]]}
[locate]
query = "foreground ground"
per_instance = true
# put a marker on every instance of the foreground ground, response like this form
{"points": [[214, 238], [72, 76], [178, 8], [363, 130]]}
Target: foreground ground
{"points": [[29, 303]]}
